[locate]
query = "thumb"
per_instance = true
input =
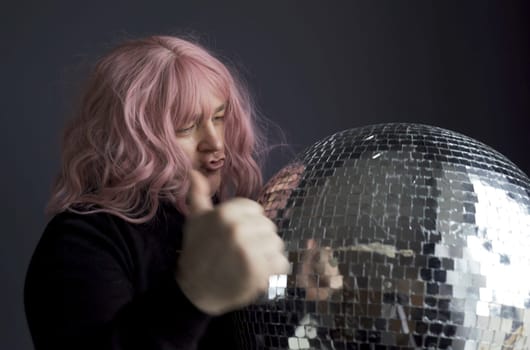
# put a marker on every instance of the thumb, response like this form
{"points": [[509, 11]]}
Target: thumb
{"points": [[199, 193], [311, 244]]}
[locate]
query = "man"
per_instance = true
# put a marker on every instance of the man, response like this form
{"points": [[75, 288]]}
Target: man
{"points": [[164, 131]]}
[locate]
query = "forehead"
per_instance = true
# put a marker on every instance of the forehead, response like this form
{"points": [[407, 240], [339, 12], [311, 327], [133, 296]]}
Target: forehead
{"points": [[208, 104]]}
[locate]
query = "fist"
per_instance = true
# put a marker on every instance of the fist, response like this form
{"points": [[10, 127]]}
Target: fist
{"points": [[228, 252]]}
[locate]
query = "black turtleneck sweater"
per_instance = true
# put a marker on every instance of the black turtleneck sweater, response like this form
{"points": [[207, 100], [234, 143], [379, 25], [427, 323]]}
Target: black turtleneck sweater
{"points": [[98, 282]]}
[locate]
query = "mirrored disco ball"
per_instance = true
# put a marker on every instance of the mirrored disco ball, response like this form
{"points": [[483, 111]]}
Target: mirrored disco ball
{"points": [[400, 236]]}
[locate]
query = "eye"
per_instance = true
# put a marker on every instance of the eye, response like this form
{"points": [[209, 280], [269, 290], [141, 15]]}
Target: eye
{"points": [[218, 118], [187, 129]]}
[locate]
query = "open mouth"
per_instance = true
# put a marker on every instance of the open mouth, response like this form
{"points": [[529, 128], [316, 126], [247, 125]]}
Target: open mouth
{"points": [[213, 165]]}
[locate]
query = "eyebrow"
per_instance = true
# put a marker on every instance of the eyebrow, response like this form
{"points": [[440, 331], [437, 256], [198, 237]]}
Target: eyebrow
{"points": [[220, 108]]}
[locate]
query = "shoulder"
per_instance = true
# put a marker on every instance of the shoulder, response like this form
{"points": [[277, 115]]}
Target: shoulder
{"points": [[70, 235], [106, 230], [72, 220], [101, 222], [70, 224]]}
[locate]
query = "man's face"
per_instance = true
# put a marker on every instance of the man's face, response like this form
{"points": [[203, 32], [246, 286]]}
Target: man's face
{"points": [[203, 143]]}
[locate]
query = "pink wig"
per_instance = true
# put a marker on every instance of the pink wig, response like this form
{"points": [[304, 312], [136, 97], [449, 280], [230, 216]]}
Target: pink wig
{"points": [[120, 154]]}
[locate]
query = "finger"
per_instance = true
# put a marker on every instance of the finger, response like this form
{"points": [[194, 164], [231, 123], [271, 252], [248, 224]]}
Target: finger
{"points": [[326, 264], [239, 206], [199, 193], [336, 282], [279, 265], [308, 264], [326, 257], [267, 245], [257, 227]]}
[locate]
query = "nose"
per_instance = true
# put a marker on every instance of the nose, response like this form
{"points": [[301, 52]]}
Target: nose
{"points": [[211, 137]]}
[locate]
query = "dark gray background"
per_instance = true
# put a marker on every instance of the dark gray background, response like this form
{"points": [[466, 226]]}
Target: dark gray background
{"points": [[315, 68]]}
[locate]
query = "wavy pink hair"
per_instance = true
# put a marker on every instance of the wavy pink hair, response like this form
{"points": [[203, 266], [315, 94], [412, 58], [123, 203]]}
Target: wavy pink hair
{"points": [[120, 153]]}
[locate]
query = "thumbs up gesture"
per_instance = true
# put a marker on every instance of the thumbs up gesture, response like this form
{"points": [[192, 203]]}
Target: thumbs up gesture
{"points": [[228, 252]]}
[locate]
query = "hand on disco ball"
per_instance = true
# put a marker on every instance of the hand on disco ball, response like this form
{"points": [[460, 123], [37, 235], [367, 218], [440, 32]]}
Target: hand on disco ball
{"points": [[228, 252], [318, 274]]}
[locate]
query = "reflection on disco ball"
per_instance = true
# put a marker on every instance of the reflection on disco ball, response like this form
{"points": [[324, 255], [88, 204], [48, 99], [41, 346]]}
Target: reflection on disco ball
{"points": [[400, 236]]}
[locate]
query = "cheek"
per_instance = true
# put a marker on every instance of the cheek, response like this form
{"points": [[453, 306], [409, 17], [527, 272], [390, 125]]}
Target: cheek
{"points": [[188, 148], [189, 153], [222, 133], [225, 126]]}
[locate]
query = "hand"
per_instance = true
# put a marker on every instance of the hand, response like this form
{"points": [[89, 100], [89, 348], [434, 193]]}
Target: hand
{"points": [[228, 252], [319, 273]]}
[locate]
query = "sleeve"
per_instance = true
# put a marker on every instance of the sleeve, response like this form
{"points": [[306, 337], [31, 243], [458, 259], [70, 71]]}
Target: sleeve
{"points": [[79, 294]]}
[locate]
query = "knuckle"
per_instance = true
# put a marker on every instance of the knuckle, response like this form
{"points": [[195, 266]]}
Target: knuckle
{"points": [[281, 244], [277, 244], [271, 224], [249, 204]]}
